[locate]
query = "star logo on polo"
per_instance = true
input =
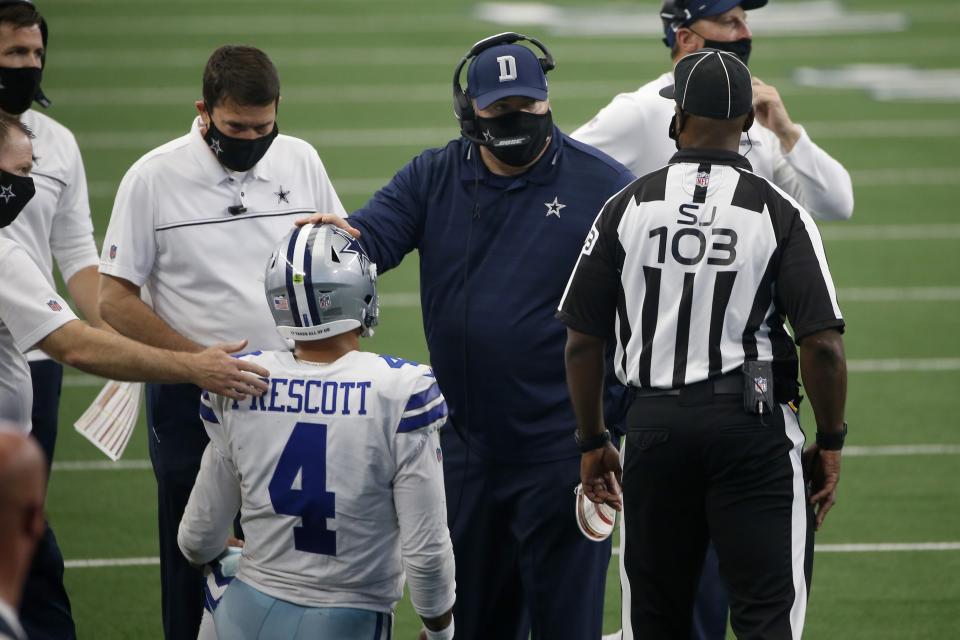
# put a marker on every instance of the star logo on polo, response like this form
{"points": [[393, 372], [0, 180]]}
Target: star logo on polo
{"points": [[215, 146], [6, 192], [486, 136], [553, 208], [282, 195]]}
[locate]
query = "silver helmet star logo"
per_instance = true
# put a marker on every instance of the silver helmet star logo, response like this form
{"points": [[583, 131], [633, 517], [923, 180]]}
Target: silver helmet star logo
{"points": [[6, 192], [553, 208], [215, 146]]}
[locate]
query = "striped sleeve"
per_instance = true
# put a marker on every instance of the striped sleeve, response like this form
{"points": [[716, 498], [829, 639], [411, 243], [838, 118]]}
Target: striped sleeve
{"points": [[425, 407], [206, 409]]}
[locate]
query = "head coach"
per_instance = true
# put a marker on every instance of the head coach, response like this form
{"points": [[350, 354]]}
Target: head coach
{"points": [[693, 269], [498, 217], [633, 127], [193, 223]]}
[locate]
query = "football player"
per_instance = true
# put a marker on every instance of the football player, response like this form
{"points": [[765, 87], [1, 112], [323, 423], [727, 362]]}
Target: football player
{"points": [[337, 473]]}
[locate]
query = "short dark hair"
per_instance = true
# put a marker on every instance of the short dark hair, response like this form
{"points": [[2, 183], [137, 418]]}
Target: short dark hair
{"points": [[20, 15], [244, 74], [10, 123]]}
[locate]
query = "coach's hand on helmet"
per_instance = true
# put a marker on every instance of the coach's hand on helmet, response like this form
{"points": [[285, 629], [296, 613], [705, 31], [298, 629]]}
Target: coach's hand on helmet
{"points": [[329, 218], [216, 371], [772, 113]]}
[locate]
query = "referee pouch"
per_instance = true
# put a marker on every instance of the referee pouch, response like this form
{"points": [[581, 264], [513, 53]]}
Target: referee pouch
{"points": [[758, 397]]}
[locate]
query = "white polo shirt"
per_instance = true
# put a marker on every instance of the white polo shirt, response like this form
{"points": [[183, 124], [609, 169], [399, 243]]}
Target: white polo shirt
{"points": [[202, 266], [633, 129], [30, 310], [55, 224]]}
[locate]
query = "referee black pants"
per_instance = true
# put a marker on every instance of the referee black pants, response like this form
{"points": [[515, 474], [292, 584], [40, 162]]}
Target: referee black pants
{"points": [[699, 468]]}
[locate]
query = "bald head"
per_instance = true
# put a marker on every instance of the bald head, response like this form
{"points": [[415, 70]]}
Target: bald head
{"points": [[22, 488], [22, 473]]}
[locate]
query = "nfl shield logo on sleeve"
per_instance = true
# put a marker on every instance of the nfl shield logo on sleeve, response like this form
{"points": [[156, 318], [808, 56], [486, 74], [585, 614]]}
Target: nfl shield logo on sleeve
{"points": [[54, 305]]}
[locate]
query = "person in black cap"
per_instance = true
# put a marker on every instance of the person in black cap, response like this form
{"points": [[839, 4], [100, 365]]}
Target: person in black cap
{"points": [[633, 127], [694, 268]]}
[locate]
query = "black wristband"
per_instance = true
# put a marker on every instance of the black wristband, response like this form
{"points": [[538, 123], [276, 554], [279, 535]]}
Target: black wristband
{"points": [[594, 442], [832, 441]]}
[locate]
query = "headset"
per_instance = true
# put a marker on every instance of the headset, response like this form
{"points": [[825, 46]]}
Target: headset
{"points": [[43, 100], [674, 14], [462, 105]]}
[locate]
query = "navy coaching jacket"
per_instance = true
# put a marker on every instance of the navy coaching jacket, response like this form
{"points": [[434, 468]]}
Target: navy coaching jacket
{"points": [[495, 256]]}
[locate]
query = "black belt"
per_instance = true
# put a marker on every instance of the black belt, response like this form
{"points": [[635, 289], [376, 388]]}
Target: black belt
{"points": [[727, 384]]}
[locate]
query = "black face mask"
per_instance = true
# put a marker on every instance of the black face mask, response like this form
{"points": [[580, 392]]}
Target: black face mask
{"points": [[236, 153], [15, 192], [740, 48], [527, 134], [18, 88]]}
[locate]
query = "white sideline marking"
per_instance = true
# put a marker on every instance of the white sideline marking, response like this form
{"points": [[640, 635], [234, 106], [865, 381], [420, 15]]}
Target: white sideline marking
{"points": [[882, 547], [101, 465], [891, 365], [890, 231], [895, 365], [855, 451], [433, 136], [902, 450], [111, 562], [933, 176], [899, 294]]}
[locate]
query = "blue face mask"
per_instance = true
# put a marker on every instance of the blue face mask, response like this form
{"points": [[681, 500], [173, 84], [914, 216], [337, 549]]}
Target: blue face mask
{"points": [[15, 192]]}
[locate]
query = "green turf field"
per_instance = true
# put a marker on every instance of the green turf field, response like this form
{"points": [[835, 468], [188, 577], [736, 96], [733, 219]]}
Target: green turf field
{"points": [[123, 75]]}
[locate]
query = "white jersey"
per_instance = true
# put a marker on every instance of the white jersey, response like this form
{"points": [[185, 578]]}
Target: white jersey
{"points": [[55, 224], [633, 129], [197, 236], [338, 477], [30, 310]]}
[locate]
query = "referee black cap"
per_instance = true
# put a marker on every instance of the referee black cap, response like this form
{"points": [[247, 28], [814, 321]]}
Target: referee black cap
{"points": [[712, 84]]}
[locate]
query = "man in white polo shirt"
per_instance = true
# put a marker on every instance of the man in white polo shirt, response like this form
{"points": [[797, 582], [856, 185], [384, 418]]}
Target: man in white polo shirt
{"points": [[194, 223]]}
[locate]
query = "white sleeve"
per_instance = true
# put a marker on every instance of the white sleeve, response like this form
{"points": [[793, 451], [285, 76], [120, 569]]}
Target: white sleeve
{"points": [[71, 237], [29, 307], [130, 246], [420, 501], [621, 130], [815, 179], [213, 504], [327, 199]]}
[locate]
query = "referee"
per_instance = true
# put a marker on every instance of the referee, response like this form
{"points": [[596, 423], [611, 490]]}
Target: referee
{"points": [[693, 268]]}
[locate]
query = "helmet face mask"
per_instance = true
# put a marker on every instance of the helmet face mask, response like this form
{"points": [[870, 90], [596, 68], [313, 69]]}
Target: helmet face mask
{"points": [[320, 283]]}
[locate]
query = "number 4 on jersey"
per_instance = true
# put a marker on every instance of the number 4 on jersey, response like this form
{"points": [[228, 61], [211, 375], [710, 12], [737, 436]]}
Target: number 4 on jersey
{"points": [[299, 488]]}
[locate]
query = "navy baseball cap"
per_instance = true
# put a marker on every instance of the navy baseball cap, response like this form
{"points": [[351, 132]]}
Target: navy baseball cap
{"points": [[711, 84], [675, 16], [503, 71]]}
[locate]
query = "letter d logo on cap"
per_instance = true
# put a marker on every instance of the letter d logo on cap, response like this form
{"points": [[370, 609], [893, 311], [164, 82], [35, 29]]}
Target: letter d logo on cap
{"points": [[508, 68]]}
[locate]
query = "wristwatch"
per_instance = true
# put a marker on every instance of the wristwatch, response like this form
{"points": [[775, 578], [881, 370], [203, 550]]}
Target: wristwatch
{"points": [[832, 441], [594, 442]]}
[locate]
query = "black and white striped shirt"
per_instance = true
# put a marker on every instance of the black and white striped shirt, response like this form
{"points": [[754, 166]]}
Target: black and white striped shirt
{"points": [[693, 268]]}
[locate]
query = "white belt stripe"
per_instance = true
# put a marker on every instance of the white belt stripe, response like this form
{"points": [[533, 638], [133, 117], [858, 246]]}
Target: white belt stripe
{"points": [[798, 528]]}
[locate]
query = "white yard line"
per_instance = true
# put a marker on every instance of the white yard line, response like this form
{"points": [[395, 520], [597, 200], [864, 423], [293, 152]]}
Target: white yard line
{"points": [[854, 451], [933, 231], [898, 294], [100, 563], [885, 365]]}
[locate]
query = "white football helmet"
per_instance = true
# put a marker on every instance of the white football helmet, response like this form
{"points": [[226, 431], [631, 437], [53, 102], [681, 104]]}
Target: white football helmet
{"points": [[596, 521], [320, 283]]}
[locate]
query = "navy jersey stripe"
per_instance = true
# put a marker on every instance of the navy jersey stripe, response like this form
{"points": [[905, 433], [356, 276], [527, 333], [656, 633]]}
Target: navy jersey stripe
{"points": [[422, 399], [315, 318], [423, 419], [207, 414], [291, 292]]}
